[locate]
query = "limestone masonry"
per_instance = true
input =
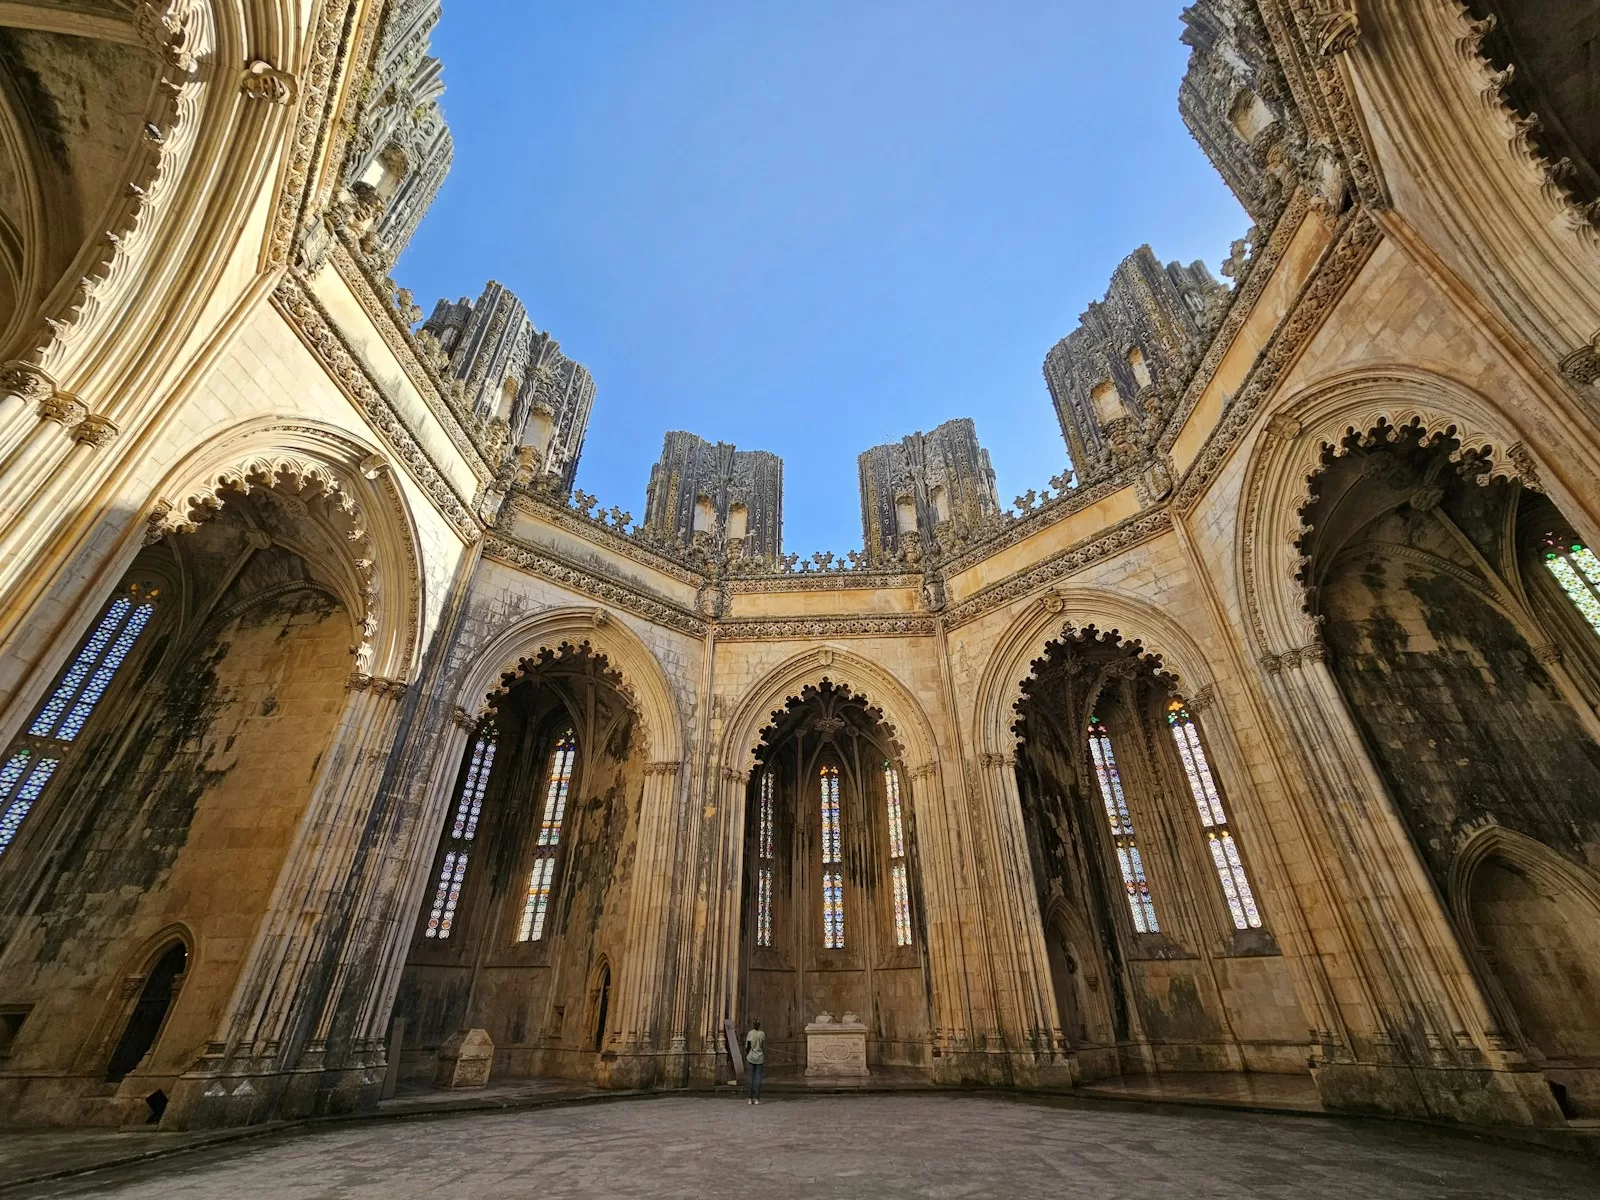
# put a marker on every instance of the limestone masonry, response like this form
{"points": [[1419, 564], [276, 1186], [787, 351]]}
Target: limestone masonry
{"points": [[340, 733]]}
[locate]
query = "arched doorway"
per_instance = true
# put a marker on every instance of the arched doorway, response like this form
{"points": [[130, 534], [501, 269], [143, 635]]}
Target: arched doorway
{"points": [[832, 918], [149, 1013], [1541, 940]]}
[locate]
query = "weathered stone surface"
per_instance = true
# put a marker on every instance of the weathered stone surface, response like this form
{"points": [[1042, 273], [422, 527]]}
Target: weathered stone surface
{"points": [[465, 1060]]}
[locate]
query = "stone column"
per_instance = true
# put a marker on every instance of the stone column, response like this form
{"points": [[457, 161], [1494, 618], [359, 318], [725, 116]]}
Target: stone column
{"points": [[1420, 1032], [641, 974], [1030, 1024]]}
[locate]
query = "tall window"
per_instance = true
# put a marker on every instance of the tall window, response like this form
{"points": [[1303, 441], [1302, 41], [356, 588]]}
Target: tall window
{"points": [[469, 806], [1219, 839], [540, 878], [1577, 570], [37, 754], [764, 862], [1122, 836], [897, 857], [832, 862]]}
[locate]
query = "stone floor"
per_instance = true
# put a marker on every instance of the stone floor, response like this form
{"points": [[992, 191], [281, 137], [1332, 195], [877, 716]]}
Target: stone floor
{"points": [[895, 1145]]}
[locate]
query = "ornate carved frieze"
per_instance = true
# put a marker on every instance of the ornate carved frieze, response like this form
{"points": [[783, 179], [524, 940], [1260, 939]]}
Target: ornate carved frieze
{"points": [[609, 591], [28, 382], [555, 511], [1119, 537], [62, 409], [319, 334], [809, 628]]}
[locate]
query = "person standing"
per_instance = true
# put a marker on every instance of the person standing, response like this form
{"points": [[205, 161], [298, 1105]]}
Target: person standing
{"points": [[755, 1058]]}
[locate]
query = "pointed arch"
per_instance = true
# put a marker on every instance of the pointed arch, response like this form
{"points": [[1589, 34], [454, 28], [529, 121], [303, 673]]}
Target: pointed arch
{"points": [[1321, 418], [908, 724], [1070, 611], [644, 680]]}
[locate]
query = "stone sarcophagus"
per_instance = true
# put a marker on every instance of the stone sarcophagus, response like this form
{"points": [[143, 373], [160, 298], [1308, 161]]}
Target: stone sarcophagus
{"points": [[464, 1060], [836, 1047]]}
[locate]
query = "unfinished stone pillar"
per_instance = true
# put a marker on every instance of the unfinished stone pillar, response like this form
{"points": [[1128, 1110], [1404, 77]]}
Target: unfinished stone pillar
{"points": [[631, 1059]]}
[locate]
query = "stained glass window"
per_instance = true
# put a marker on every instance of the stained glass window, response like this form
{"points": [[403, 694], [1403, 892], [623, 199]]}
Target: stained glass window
{"points": [[469, 807], [832, 862], [764, 906], [537, 901], [1577, 570], [1219, 839], [898, 878], [61, 718], [1122, 836], [80, 689], [21, 780], [764, 838], [764, 819]]}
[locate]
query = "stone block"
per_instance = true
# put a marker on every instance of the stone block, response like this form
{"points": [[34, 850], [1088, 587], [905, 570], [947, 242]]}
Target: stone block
{"points": [[836, 1048], [464, 1060]]}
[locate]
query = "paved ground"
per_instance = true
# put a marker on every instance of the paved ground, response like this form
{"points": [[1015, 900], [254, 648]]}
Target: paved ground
{"points": [[949, 1147]]}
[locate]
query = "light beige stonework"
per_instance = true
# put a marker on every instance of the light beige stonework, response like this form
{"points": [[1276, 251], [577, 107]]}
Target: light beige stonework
{"points": [[229, 408]]}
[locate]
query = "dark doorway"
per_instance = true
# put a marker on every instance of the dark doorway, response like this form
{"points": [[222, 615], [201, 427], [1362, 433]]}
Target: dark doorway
{"points": [[148, 1014], [602, 1007]]}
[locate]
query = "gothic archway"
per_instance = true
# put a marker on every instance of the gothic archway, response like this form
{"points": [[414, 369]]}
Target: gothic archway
{"points": [[833, 915]]}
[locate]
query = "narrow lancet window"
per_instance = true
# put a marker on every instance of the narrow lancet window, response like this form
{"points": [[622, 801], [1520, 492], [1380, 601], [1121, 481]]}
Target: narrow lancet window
{"points": [[61, 718], [469, 807], [1577, 570], [1122, 836], [764, 818], [1219, 838], [832, 862], [537, 902], [898, 877]]}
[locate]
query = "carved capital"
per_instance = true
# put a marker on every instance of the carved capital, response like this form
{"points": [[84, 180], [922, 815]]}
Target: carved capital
{"points": [[358, 682], [1582, 366], [1204, 698], [464, 719], [661, 768], [63, 409], [922, 771], [27, 381], [388, 687], [94, 431], [265, 82], [1521, 459], [991, 759], [1337, 32], [1547, 654]]}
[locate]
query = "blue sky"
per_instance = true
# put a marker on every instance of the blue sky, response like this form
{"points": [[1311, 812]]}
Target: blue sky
{"points": [[812, 227]]}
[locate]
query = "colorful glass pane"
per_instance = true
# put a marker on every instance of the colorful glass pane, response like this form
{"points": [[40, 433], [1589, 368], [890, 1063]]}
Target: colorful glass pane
{"points": [[537, 901], [1129, 861], [32, 786], [445, 898], [44, 723], [830, 814], [902, 904], [470, 806], [833, 909], [1580, 591], [1207, 799], [104, 673], [555, 798], [764, 830], [897, 836], [764, 906]]}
